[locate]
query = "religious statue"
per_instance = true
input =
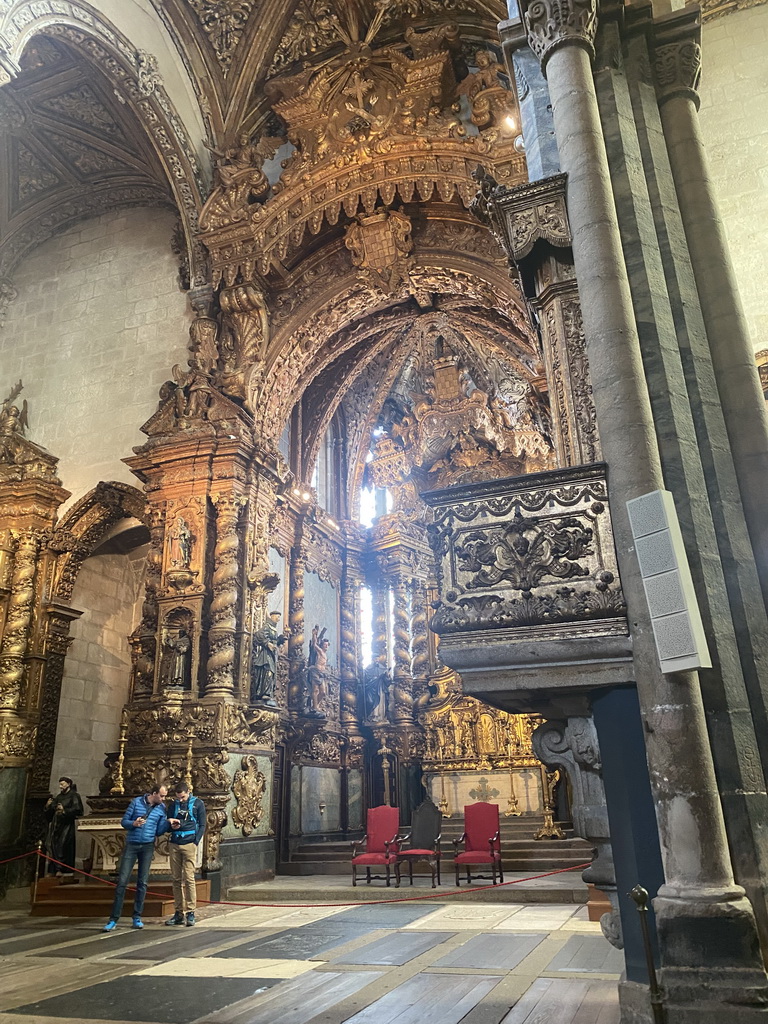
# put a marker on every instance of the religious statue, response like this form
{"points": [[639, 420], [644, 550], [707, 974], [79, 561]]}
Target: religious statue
{"points": [[238, 179], [376, 683], [318, 669], [203, 334], [13, 424], [176, 662], [264, 661], [180, 544]]}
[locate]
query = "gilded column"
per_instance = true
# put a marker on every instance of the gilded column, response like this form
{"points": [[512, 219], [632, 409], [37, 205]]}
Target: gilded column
{"points": [[18, 621], [226, 592], [379, 645], [350, 711], [403, 683], [420, 666], [677, 67], [699, 877], [296, 657]]}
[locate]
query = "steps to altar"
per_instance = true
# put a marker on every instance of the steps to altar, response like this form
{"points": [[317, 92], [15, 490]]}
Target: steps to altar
{"points": [[58, 897]]}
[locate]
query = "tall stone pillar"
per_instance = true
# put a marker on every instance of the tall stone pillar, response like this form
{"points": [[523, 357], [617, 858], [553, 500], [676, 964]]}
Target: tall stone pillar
{"points": [[350, 710], [677, 67], [699, 889]]}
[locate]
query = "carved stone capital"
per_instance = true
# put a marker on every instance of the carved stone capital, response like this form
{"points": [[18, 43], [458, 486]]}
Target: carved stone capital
{"points": [[552, 24], [677, 56]]}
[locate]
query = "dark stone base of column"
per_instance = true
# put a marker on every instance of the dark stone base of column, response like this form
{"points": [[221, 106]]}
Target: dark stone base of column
{"points": [[713, 969]]}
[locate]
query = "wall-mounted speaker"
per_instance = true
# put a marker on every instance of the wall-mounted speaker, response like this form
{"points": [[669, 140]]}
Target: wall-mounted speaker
{"points": [[675, 617]]}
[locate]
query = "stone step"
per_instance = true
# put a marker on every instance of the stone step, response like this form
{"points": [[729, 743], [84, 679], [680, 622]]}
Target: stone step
{"points": [[91, 899]]}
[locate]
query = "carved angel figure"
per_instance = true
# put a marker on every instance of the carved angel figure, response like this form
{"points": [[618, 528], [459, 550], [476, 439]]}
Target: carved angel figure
{"points": [[238, 180]]}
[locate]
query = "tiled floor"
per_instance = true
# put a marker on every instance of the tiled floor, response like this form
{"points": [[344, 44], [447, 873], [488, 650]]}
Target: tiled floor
{"points": [[409, 963]]}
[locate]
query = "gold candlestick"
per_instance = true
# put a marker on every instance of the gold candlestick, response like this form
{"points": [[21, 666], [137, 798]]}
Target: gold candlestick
{"points": [[443, 805], [119, 787], [188, 773], [550, 829], [513, 808], [384, 751]]}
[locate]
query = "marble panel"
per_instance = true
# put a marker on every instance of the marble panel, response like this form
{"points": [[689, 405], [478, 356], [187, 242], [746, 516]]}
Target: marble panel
{"points": [[320, 799]]}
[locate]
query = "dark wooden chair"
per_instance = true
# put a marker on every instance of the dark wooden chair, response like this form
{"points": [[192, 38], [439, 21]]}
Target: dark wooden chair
{"points": [[423, 840], [482, 841], [381, 844]]}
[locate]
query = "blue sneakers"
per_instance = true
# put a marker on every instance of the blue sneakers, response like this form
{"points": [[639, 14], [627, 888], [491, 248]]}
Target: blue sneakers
{"points": [[190, 919], [138, 923], [178, 918], [109, 926]]}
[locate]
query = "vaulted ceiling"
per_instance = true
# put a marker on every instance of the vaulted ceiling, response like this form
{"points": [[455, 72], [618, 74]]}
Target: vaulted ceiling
{"points": [[70, 149]]}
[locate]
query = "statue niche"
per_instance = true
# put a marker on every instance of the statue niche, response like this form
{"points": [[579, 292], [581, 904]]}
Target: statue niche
{"points": [[264, 661], [176, 651]]}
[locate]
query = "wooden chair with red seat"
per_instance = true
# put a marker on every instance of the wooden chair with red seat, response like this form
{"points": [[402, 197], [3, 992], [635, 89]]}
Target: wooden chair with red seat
{"points": [[381, 844], [482, 840], [423, 840]]}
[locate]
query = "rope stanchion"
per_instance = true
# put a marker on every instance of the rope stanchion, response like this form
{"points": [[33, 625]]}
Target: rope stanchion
{"points": [[359, 903]]}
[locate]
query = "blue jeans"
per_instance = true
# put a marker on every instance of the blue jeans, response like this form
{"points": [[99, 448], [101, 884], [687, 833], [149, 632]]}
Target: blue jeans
{"points": [[133, 852]]}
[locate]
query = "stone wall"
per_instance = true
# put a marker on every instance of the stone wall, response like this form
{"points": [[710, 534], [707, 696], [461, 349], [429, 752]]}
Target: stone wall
{"points": [[734, 122], [108, 591], [98, 323]]}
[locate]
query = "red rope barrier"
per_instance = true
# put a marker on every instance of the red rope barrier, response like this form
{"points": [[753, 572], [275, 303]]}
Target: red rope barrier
{"points": [[21, 856], [361, 903]]}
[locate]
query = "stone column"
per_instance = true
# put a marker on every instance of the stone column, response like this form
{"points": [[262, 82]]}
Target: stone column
{"points": [[699, 890], [677, 69], [220, 681]]}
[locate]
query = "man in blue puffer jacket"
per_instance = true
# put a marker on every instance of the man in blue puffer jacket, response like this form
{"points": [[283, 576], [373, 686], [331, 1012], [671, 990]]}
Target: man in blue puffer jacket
{"points": [[144, 820]]}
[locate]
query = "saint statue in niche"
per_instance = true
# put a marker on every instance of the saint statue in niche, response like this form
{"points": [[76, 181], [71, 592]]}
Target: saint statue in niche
{"points": [[318, 669], [376, 683], [176, 662], [264, 661], [180, 544]]}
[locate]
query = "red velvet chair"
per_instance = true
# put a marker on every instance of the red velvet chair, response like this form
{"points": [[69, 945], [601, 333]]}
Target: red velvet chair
{"points": [[423, 840], [482, 840], [381, 845]]}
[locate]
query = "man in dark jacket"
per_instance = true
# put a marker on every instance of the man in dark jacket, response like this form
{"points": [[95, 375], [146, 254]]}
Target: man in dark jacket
{"points": [[186, 815], [144, 820]]}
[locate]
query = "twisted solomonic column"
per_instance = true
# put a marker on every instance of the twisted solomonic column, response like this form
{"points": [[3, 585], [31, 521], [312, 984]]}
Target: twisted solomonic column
{"points": [[226, 591], [18, 620]]}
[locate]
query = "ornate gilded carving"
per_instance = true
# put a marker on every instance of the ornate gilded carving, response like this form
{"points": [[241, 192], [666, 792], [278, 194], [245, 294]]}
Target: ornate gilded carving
{"points": [[249, 786], [224, 22], [226, 592], [380, 245], [552, 24]]}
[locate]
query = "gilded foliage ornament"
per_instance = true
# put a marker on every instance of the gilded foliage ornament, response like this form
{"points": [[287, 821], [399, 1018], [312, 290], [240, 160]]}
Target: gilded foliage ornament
{"points": [[249, 786], [223, 21]]}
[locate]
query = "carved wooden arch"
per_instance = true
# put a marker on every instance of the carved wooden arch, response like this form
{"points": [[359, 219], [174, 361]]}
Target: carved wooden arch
{"points": [[325, 326], [82, 529], [91, 34]]}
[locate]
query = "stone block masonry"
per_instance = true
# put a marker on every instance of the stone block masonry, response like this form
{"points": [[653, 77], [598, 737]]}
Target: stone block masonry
{"points": [[734, 123], [98, 323]]}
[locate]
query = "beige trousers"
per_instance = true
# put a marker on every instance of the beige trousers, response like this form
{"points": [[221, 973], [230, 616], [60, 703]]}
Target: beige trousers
{"points": [[183, 875]]}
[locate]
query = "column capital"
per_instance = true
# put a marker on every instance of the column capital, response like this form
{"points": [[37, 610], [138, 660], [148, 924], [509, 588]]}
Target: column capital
{"points": [[552, 24], [677, 55]]}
